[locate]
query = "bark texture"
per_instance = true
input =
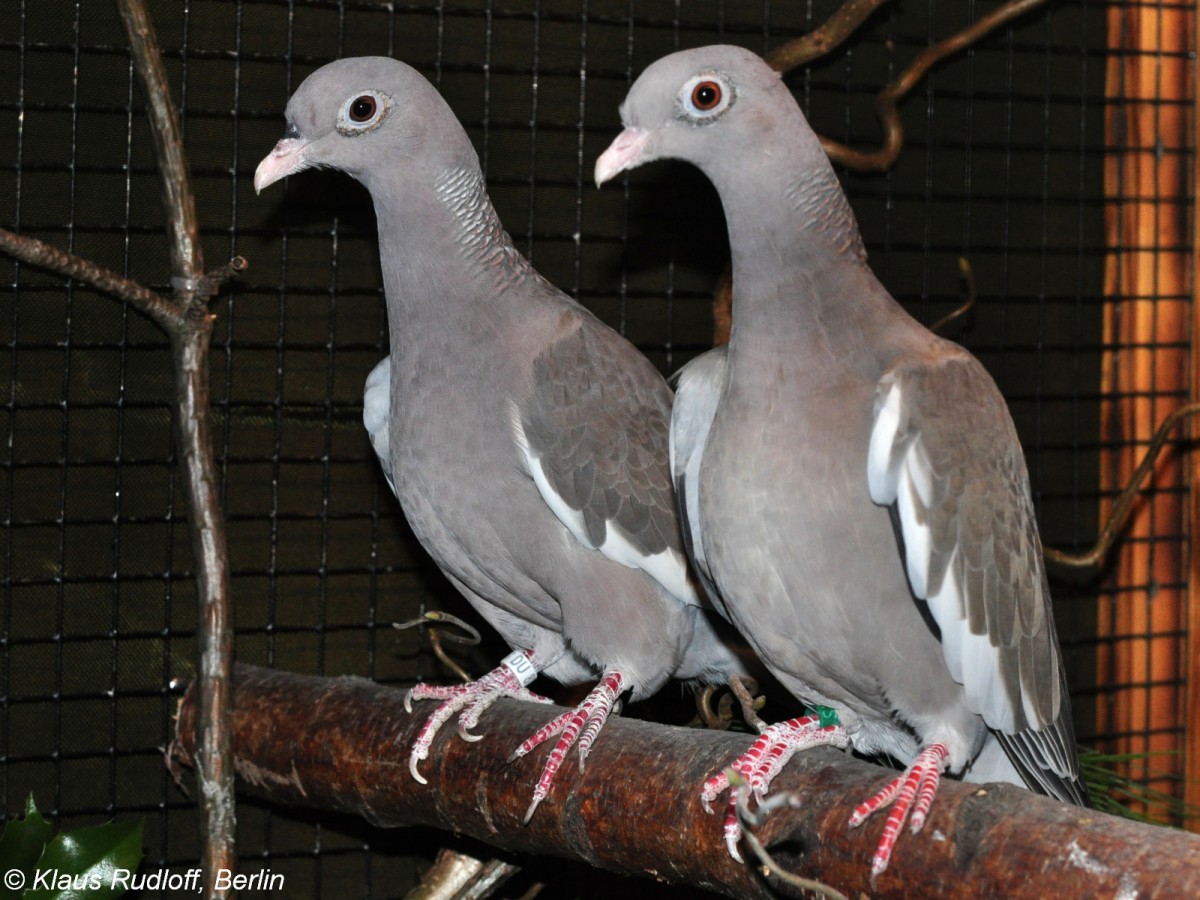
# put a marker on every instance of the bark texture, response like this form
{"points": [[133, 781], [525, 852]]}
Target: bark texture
{"points": [[341, 744]]}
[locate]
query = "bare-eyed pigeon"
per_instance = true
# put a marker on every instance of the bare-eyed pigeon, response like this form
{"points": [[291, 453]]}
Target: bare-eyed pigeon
{"points": [[527, 442], [854, 483]]}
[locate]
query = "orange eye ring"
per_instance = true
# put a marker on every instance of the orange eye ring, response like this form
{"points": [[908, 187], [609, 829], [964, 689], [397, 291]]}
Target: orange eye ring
{"points": [[706, 96], [363, 109]]}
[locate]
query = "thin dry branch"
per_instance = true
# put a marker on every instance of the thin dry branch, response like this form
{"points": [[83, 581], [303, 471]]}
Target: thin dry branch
{"points": [[458, 876], [885, 103], [1123, 507], [341, 744], [968, 277], [190, 343], [187, 321], [36, 253], [834, 32], [830, 35], [183, 229]]}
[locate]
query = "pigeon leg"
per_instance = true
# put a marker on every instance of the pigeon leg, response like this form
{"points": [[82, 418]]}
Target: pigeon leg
{"points": [[764, 760], [582, 723], [509, 679], [912, 791]]}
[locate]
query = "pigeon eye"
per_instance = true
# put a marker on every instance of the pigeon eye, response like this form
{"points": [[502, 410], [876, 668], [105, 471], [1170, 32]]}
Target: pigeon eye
{"points": [[363, 112], [362, 109], [705, 97]]}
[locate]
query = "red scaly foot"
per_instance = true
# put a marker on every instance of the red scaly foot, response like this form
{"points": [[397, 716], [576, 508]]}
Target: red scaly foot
{"points": [[509, 679], [764, 760], [914, 790], [589, 717]]}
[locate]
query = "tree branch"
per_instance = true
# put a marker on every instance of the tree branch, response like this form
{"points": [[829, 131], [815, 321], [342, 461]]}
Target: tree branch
{"points": [[190, 344], [830, 35], [885, 103], [342, 744], [44, 256], [183, 229], [187, 321], [1122, 509]]}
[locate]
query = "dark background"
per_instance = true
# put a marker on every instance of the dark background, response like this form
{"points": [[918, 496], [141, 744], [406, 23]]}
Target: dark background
{"points": [[1002, 164]]}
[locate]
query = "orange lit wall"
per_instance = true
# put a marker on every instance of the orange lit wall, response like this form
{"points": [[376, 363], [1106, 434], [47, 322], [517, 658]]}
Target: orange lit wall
{"points": [[1146, 374]]}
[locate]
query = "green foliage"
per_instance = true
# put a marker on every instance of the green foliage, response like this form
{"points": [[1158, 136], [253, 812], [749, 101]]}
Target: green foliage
{"points": [[21, 845], [1117, 780], [76, 865]]}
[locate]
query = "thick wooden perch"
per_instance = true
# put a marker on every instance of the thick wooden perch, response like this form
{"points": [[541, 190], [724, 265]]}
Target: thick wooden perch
{"points": [[341, 744]]}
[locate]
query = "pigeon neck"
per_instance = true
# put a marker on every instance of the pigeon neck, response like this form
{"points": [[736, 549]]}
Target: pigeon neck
{"points": [[481, 238], [789, 211], [794, 239], [452, 259], [801, 287]]}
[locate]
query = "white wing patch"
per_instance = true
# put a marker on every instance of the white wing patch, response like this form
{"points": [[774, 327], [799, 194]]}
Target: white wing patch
{"points": [[377, 408], [668, 568], [917, 540], [696, 399], [972, 659], [898, 471], [882, 471]]}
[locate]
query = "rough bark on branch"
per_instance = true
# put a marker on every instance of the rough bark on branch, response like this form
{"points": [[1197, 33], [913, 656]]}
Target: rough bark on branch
{"points": [[190, 335], [341, 744]]}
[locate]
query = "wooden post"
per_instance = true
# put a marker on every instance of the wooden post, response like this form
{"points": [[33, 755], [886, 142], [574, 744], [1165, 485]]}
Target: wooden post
{"points": [[1191, 737], [1146, 375]]}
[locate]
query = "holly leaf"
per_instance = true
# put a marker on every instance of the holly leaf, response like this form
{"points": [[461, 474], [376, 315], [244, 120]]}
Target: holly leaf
{"points": [[21, 846], [84, 862]]}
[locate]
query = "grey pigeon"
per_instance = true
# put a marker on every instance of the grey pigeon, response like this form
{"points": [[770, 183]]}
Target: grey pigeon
{"points": [[528, 442], [853, 487]]}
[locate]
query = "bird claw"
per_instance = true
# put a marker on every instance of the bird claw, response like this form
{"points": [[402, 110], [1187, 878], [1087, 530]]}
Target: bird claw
{"points": [[469, 701], [582, 724], [761, 762], [537, 799], [731, 842], [412, 768], [714, 787], [912, 792]]}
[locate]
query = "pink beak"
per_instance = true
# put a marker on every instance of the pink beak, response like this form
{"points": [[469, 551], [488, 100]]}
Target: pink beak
{"points": [[286, 158], [622, 154]]}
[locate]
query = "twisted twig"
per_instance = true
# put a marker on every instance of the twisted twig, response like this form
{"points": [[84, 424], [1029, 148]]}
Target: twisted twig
{"points": [[472, 637], [1123, 507], [751, 819], [895, 90]]}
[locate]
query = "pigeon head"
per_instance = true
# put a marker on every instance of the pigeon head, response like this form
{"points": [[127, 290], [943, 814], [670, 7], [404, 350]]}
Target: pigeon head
{"points": [[355, 113], [711, 106], [725, 111]]}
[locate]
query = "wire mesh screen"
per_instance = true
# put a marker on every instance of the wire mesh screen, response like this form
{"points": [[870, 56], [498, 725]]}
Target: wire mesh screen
{"points": [[1145, 375], [1003, 164]]}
